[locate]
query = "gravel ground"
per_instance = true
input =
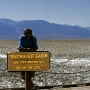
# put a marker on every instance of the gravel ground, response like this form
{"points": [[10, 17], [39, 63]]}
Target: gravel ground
{"points": [[70, 49], [67, 56]]}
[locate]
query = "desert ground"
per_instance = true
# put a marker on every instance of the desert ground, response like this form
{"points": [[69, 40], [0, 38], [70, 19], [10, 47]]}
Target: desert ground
{"points": [[66, 56], [58, 48]]}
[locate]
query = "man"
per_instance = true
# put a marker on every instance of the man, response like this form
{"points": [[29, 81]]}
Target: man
{"points": [[27, 43]]}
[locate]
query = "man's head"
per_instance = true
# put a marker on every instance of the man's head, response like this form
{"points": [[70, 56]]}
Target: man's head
{"points": [[28, 32]]}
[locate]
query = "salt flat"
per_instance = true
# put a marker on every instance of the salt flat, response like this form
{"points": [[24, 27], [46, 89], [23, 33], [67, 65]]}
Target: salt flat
{"points": [[67, 56]]}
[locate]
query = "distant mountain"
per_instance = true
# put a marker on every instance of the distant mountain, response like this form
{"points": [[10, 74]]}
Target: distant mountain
{"points": [[87, 28], [10, 29]]}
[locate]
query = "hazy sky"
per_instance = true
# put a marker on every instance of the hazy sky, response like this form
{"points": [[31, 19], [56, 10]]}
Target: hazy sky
{"points": [[72, 12]]}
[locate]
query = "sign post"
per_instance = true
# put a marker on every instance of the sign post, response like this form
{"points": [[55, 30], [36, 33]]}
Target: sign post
{"points": [[28, 61]]}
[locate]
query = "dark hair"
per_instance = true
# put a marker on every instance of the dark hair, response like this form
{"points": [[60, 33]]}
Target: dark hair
{"points": [[27, 30]]}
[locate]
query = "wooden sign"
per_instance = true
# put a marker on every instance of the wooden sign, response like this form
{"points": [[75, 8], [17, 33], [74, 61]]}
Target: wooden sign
{"points": [[28, 61]]}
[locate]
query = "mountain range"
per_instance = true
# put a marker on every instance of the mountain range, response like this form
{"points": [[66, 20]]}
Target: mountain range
{"points": [[10, 29]]}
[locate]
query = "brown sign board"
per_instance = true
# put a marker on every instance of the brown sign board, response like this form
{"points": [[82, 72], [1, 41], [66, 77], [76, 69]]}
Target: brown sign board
{"points": [[28, 61]]}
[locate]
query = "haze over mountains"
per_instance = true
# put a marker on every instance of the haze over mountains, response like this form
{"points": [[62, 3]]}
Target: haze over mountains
{"points": [[10, 29]]}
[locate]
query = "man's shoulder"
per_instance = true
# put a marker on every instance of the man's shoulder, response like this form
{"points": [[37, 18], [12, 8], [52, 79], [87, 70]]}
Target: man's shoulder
{"points": [[34, 37], [22, 37]]}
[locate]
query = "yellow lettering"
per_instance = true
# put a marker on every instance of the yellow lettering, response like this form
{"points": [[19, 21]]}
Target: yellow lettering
{"points": [[31, 56], [11, 56], [28, 61], [46, 55], [20, 56], [36, 67], [17, 67], [29, 67], [41, 55], [16, 62], [17, 56], [23, 62], [35, 61], [23, 67]]}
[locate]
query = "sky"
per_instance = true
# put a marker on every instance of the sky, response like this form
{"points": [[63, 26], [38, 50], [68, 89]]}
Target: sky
{"points": [[71, 12]]}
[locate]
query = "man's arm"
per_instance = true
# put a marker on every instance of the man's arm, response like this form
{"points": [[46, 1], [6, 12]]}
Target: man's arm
{"points": [[22, 49]]}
